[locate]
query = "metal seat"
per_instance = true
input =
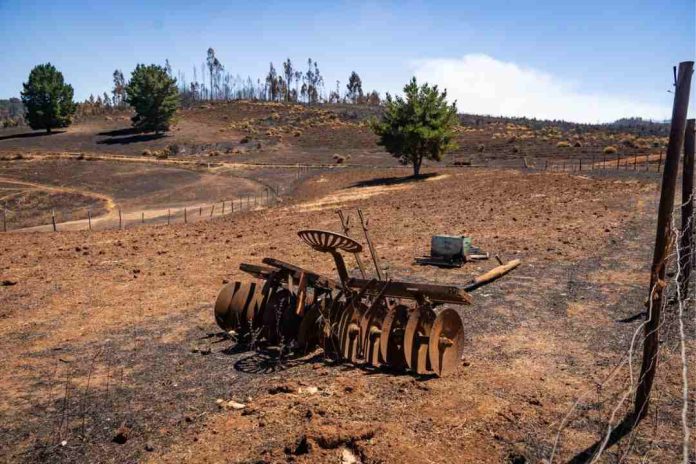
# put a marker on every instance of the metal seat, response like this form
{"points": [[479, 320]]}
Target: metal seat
{"points": [[326, 241]]}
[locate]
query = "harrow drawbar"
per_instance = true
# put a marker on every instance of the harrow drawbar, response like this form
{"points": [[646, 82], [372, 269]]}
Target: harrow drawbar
{"points": [[374, 322]]}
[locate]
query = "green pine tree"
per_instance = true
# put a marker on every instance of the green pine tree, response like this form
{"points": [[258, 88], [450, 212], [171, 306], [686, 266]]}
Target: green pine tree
{"points": [[48, 99], [154, 97], [419, 126]]}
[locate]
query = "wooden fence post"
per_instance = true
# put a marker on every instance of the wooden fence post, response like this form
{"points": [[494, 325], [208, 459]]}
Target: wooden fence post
{"points": [[142, 217], [687, 210], [232, 205], [212, 209], [185, 218], [618, 161], [53, 219], [119, 218], [89, 219], [4, 219], [223, 207], [662, 240], [169, 216]]}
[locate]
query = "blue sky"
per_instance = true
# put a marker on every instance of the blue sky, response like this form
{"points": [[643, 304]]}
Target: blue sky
{"points": [[589, 60]]}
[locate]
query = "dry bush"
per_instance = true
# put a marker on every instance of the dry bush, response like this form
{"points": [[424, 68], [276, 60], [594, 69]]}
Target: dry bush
{"points": [[563, 144], [610, 150], [481, 148], [628, 142], [577, 144]]}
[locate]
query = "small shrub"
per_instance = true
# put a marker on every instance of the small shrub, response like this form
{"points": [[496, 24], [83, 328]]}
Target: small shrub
{"points": [[512, 139], [610, 150], [481, 148], [297, 133], [147, 153], [245, 139], [161, 154], [628, 142], [339, 159], [563, 144], [515, 149], [258, 145], [577, 144]]}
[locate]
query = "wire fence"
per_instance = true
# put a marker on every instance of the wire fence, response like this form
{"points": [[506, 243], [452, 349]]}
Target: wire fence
{"points": [[83, 218], [606, 162]]}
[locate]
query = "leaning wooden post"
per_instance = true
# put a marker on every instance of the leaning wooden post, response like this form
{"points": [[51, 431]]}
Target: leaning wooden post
{"points": [[185, 218], [89, 219], [662, 240], [212, 210], [53, 219], [686, 256], [120, 223], [169, 216]]}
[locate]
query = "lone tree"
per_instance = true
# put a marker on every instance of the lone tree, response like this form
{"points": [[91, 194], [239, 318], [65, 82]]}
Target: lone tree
{"points": [[354, 86], [154, 96], [48, 99], [421, 126]]}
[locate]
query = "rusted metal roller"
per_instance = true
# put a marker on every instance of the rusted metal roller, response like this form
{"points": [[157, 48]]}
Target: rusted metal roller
{"points": [[446, 343], [391, 346], [417, 337]]}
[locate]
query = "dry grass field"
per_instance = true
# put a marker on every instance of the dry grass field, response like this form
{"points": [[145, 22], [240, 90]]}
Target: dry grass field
{"points": [[111, 352]]}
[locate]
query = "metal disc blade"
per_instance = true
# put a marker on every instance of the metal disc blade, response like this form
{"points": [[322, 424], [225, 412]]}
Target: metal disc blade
{"points": [[240, 301], [446, 343], [416, 339], [392, 339], [222, 307], [309, 332]]}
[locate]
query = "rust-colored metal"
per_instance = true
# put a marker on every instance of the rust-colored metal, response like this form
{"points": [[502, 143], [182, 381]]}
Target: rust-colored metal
{"points": [[395, 324]]}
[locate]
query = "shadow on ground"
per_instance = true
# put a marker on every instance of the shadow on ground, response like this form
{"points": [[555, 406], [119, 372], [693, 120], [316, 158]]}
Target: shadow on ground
{"points": [[383, 181], [26, 135]]}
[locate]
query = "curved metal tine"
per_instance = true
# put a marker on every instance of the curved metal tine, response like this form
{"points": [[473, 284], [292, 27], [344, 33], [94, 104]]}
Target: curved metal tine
{"points": [[346, 231]]}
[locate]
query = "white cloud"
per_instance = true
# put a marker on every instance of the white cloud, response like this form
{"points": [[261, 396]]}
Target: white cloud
{"points": [[483, 85]]}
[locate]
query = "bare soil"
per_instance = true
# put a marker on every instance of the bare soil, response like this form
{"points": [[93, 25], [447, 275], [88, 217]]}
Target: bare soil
{"points": [[110, 335]]}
